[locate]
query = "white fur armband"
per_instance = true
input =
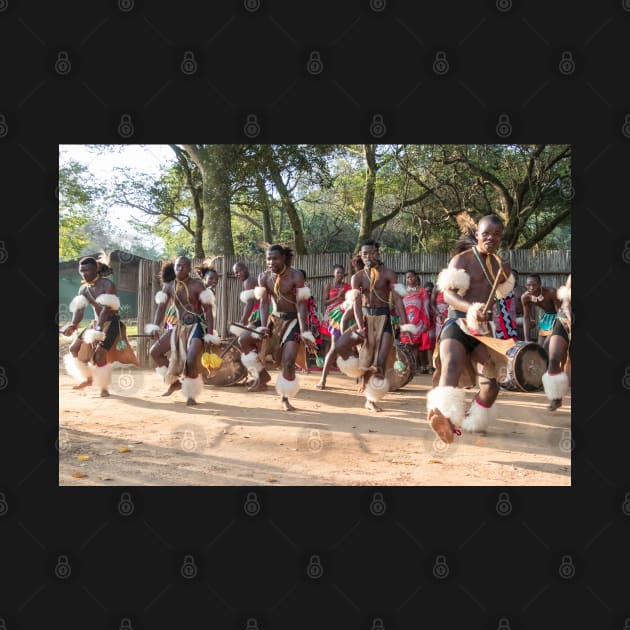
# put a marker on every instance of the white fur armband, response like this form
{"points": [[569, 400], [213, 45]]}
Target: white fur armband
{"points": [[161, 297], [91, 335], [259, 292], [308, 336], [214, 339], [564, 293], [302, 294], [245, 296], [471, 317], [78, 303], [109, 300], [149, 329], [207, 297], [505, 287], [401, 289], [454, 280]]}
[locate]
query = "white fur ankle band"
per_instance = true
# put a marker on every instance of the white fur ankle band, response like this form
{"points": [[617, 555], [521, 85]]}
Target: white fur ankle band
{"points": [[376, 388], [192, 387], [450, 401], [287, 388], [479, 416]]}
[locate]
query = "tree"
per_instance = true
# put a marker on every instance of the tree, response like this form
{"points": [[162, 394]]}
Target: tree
{"points": [[215, 162], [520, 183], [78, 194]]}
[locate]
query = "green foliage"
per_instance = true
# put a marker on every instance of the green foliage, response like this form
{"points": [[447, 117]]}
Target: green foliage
{"points": [[422, 196], [78, 196]]}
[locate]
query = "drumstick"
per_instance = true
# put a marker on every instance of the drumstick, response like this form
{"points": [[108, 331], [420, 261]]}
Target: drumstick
{"points": [[232, 342], [492, 291]]}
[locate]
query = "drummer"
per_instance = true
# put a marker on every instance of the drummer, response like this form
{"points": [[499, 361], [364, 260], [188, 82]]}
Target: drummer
{"points": [[540, 307], [462, 351]]}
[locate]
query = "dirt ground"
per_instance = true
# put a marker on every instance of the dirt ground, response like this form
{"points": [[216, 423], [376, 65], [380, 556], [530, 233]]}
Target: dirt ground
{"points": [[237, 438]]}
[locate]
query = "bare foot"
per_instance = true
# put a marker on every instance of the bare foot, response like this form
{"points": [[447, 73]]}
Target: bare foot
{"points": [[555, 403], [86, 383], [321, 385], [286, 405], [173, 387], [442, 426], [191, 402], [372, 406], [104, 393]]}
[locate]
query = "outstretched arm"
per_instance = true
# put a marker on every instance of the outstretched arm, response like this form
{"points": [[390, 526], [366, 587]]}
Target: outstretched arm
{"points": [[77, 308], [162, 299]]}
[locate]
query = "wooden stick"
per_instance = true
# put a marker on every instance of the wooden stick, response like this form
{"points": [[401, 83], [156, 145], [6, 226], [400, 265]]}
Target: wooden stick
{"points": [[493, 290], [232, 342], [243, 327]]}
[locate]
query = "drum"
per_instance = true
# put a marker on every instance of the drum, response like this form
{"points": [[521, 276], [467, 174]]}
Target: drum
{"points": [[231, 372], [396, 378], [526, 363]]}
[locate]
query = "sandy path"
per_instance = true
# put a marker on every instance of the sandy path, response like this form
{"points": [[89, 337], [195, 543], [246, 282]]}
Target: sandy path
{"points": [[234, 437]]}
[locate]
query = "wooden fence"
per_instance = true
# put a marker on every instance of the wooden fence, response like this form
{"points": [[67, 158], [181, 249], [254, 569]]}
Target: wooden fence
{"points": [[553, 266]]}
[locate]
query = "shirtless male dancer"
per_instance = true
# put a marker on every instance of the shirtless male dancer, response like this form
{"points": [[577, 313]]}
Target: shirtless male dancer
{"points": [[186, 339]]}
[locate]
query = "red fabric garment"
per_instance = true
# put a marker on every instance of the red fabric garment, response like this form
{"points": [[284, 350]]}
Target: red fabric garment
{"points": [[417, 309], [442, 312]]}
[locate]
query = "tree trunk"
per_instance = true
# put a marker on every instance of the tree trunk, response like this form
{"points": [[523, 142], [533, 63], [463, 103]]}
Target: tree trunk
{"points": [[217, 161], [265, 208], [367, 211]]}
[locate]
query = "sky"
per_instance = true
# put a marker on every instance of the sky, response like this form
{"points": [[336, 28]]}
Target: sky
{"points": [[150, 158]]}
